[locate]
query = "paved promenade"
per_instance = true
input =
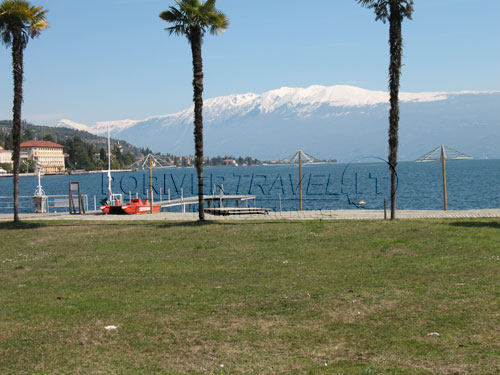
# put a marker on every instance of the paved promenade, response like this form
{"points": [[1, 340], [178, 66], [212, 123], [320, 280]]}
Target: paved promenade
{"points": [[293, 215]]}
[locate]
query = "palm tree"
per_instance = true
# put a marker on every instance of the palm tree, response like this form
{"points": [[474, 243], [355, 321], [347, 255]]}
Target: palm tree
{"points": [[394, 11], [192, 18], [19, 21]]}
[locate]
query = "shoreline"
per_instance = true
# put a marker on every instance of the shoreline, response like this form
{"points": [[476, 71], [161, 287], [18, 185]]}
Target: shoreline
{"points": [[34, 174], [289, 215]]}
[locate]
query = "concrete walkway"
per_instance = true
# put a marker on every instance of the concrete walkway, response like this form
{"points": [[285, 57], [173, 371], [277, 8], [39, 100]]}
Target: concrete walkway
{"points": [[293, 215]]}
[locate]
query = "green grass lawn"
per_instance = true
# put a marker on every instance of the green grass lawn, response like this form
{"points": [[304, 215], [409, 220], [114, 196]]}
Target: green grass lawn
{"points": [[313, 297]]}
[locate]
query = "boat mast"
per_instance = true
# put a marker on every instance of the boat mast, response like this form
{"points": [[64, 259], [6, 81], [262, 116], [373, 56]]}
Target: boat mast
{"points": [[109, 170]]}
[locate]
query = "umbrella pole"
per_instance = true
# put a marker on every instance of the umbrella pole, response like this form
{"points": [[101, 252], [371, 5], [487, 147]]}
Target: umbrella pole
{"points": [[150, 184], [443, 164], [300, 180]]}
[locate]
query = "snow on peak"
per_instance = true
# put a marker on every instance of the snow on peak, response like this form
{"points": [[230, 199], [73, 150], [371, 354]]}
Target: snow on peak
{"points": [[230, 105], [301, 101], [101, 127], [73, 125], [336, 96]]}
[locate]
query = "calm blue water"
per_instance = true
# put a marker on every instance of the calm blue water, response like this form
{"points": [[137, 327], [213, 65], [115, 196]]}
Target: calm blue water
{"points": [[471, 184]]}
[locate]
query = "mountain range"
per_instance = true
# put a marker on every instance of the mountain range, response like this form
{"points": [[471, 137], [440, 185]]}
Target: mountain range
{"points": [[334, 122]]}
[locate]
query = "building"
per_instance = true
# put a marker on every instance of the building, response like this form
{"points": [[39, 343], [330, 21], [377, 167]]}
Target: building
{"points": [[49, 154], [230, 162], [5, 156]]}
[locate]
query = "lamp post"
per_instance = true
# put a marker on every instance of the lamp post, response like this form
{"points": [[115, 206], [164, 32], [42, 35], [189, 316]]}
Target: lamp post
{"points": [[39, 198]]}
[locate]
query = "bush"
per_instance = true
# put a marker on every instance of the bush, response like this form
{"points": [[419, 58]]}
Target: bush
{"points": [[7, 167]]}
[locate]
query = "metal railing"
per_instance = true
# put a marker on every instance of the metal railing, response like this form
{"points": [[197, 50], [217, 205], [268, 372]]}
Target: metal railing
{"points": [[54, 203], [60, 203], [26, 204]]}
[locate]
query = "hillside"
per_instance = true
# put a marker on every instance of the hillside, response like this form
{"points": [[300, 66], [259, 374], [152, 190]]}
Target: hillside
{"points": [[63, 134], [79, 142]]}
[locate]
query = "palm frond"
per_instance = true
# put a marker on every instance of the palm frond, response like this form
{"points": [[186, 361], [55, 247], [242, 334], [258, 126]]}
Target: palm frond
{"points": [[189, 14], [21, 18], [219, 23], [208, 6], [177, 19], [382, 8]]}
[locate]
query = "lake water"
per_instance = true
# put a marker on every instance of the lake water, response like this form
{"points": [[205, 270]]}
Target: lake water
{"points": [[471, 184]]}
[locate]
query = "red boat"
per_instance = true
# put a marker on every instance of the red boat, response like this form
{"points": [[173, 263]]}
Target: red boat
{"points": [[135, 206]]}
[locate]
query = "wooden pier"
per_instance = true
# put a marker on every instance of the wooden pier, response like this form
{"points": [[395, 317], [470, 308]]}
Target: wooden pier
{"points": [[223, 204], [225, 211]]}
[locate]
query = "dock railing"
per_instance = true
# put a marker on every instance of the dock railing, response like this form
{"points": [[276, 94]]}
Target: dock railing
{"points": [[54, 203]]}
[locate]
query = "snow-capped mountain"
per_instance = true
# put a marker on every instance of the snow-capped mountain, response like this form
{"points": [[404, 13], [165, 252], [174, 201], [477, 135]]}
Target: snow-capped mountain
{"points": [[73, 125], [342, 122], [100, 128]]}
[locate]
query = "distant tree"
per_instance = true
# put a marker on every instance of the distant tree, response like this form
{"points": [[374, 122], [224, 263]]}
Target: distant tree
{"points": [[28, 166], [8, 145], [6, 166], [103, 155], [115, 164], [49, 138], [79, 155], [192, 18], [90, 150], [27, 135], [120, 160], [19, 21], [394, 11], [127, 159]]}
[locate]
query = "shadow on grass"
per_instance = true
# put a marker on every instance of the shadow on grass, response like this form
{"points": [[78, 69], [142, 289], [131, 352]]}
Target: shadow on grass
{"points": [[477, 224], [21, 225], [174, 224], [91, 223], [132, 223]]}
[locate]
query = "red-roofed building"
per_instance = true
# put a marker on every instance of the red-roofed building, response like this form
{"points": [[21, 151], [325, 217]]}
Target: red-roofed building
{"points": [[49, 154], [230, 162]]}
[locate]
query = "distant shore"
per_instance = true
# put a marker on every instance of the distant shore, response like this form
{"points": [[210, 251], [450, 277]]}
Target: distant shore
{"points": [[31, 174]]}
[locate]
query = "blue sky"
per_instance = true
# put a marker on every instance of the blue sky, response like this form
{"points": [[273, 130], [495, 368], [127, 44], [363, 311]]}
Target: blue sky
{"points": [[112, 60]]}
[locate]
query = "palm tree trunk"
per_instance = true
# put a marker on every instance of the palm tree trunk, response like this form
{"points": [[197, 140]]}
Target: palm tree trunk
{"points": [[396, 45], [195, 41], [17, 71]]}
